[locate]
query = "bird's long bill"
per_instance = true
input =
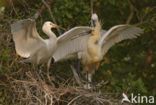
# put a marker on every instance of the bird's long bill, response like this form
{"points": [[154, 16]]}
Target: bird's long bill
{"points": [[60, 27]]}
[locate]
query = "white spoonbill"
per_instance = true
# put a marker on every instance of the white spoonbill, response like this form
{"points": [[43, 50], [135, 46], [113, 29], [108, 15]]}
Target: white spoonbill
{"points": [[29, 44]]}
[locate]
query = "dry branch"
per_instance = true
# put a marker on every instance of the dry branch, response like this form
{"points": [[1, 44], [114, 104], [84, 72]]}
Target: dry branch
{"points": [[130, 17], [43, 7]]}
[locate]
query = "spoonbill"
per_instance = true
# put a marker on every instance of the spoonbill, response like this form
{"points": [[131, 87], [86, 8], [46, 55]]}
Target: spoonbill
{"points": [[95, 45]]}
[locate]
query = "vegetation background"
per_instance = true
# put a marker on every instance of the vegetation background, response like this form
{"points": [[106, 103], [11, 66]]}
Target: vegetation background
{"points": [[129, 66]]}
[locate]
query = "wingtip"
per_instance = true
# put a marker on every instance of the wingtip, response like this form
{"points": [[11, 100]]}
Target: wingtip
{"points": [[19, 24], [140, 30]]}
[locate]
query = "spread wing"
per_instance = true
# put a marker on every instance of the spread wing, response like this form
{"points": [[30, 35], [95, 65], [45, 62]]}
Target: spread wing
{"points": [[72, 42], [26, 37], [117, 34]]}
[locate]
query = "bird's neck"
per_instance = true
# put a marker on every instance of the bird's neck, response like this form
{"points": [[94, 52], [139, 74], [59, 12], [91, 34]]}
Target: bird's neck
{"points": [[93, 49], [95, 35], [50, 34]]}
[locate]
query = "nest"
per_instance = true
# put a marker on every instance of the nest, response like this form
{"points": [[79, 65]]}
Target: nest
{"points": [[34, 90]]}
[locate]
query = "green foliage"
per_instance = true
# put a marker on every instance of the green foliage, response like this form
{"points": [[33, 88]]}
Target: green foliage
{"points": [[69, 13], [5, 55]]}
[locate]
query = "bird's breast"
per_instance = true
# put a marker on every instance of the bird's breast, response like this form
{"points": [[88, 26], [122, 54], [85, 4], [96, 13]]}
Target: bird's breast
{"points": [[51, 46]]}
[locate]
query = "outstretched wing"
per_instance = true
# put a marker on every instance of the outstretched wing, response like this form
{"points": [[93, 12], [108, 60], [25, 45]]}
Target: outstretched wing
{"points": [[72, 42], [117, 34], [26, 37]]}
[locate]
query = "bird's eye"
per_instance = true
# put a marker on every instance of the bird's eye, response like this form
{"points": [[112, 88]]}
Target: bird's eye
{"points": [[51, 24]]}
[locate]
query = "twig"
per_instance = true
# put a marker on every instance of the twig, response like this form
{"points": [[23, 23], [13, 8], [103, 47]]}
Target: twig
{"points": [[102, 83], [43, 7], [74, 99], [143, 22], [131, 13], [12, 4]]}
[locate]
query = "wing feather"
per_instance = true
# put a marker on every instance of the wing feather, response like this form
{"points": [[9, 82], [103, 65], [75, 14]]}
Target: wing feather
{"points": [[71, 42], [74, 33], [26, 37], [117, 34]]}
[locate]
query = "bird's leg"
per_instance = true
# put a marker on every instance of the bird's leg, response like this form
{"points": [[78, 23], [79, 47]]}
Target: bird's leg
{"points": [[48, 64], [78, 67], [48, 67], [76, 76], [89, 80], [88, 76], [78, 70], [35, 70]]}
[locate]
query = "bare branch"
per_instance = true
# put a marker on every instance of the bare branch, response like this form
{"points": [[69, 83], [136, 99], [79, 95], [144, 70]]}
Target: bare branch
{"points": [[130, 17], [74, 100], [43, 7]]}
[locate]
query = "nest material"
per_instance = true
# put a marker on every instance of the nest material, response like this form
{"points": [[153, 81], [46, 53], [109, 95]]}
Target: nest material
{"points": [[32, 90]]}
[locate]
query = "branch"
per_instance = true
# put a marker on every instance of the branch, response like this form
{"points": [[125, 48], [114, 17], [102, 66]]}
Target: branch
{"points": [[43, 7], [131, 13], [74, 100]]}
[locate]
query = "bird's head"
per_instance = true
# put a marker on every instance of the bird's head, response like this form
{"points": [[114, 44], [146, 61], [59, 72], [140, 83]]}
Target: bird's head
{"points": [[49, 25], [94, 19]]}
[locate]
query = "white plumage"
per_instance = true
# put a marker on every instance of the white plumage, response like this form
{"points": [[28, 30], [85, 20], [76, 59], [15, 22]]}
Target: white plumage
{"points": [[29, 44]]}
